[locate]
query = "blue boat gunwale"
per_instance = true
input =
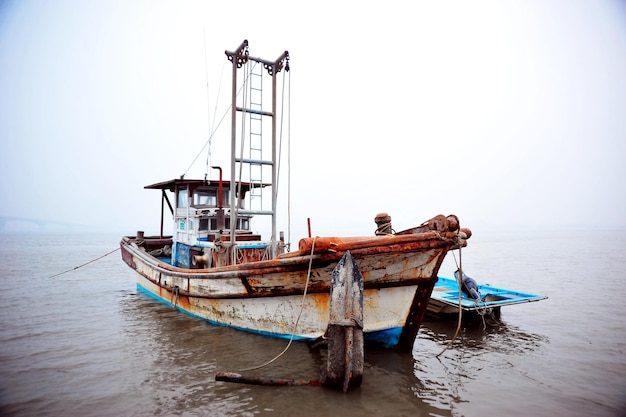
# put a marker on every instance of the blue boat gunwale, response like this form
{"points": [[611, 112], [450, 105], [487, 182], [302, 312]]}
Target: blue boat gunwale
{"points": [[446, 291]]}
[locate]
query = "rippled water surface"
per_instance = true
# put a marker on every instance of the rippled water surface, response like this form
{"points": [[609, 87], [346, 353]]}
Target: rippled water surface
{"points": [[87, 343]]}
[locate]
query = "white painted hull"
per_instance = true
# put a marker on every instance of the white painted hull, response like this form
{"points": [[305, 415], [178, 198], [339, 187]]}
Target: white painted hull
{"points": [[270, 300], [384, 309]]}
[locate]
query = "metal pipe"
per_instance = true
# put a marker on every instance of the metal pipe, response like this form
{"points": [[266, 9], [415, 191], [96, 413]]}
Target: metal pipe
{"points": [[220, 189], [163, 197], [238, 60]]}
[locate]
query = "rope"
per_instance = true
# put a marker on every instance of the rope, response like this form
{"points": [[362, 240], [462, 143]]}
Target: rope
{"points": [[208, 100], [280, 135], [382, 230], [86, 263], [216, 127], [481, 312], [295, 326], [208, 142], [289, 165], [280, 153], [460, 279]]}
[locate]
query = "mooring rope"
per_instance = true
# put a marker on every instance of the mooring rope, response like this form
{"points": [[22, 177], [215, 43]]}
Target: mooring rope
{"points": [[86, 263], [295, 326], [482, 311], [382, 229], [458, 327]]}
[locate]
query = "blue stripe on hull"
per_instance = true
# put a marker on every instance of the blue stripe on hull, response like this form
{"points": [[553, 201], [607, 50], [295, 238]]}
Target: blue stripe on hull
{"points": [[387, 337], [216, 323]]}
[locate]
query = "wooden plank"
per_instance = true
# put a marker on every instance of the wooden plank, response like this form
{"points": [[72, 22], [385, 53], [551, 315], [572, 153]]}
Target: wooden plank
{"points": [[262, 380], [344, 365]]}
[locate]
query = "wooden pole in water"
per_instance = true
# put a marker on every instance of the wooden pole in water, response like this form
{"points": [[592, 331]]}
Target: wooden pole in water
{"points": [[344, 366], [344, 335], [262, 380]]}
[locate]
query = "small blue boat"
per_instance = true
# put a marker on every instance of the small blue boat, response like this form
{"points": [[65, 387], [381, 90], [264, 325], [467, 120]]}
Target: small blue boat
{"points": [[475, 298]]}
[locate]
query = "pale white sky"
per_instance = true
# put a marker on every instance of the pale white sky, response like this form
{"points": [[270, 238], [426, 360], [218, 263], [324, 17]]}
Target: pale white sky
{"points": [[506, 113]]}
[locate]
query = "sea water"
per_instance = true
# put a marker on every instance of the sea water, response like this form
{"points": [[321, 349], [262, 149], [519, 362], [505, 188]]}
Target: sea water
{"points": [[87, 343]]}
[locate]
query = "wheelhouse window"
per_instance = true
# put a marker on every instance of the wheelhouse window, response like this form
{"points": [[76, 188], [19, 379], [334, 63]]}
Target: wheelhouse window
{"points": [[209, 197], [182, 200], [205, 197], [242, 224]]}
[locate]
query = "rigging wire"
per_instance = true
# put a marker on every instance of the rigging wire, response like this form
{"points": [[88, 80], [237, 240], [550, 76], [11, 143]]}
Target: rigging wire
{"points": [[219, 90], [280, 151], [208, 141], [295, 326], [216, 127], [86, 263], [289, 165], [280, 135], [217, 99], [460, 281], [208, 101]]}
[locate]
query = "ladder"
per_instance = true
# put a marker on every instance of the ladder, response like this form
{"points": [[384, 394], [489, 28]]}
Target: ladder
{"points": [[255, 142], [252, 114]]}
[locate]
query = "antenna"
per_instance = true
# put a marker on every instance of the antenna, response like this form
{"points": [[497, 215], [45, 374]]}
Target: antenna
{"points": [[208, 101]]}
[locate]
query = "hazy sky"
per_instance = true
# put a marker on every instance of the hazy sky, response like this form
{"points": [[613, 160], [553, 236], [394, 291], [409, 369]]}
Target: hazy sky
{"points": [[506, 113]]}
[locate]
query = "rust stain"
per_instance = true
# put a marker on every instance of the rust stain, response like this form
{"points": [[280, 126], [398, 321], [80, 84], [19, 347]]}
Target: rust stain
{"points": [[322, 303]]}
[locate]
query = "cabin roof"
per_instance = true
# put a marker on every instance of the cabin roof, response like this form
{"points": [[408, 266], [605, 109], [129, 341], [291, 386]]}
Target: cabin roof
{"points": [[172, 184]]}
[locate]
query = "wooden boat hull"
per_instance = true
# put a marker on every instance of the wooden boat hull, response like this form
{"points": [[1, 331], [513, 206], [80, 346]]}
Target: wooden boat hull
{"points": [[267, 297], [275, 316]]}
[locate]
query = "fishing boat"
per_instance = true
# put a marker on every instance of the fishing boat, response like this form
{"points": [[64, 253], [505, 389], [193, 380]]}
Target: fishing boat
{"points": [[215, 267], [475, 299]]}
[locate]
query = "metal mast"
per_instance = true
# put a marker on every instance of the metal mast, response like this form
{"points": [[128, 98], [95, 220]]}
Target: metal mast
{"points": [[239, 57]]}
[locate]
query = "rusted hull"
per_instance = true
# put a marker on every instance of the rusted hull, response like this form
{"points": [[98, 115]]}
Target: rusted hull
{"points": [[267, 297], [386, 310]]}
